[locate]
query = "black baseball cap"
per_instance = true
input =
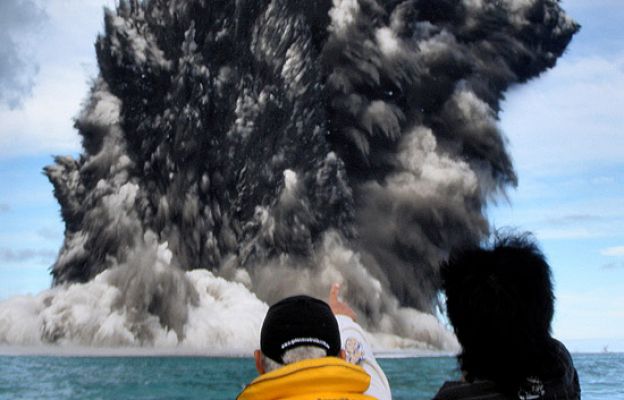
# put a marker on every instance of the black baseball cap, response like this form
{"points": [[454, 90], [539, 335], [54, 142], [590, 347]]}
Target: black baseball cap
{"points": [[299, 321]]}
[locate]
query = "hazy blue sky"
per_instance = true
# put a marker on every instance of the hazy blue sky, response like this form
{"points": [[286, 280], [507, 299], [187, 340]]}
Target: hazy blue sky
{"points": [[565, 130]]}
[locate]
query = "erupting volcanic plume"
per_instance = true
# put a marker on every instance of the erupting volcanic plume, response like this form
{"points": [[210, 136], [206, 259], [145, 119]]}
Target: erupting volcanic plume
{"points": [[271, 147]]}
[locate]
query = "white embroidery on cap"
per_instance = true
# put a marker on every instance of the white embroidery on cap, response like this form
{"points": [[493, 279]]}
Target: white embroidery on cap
{"points": [[305, 340]]}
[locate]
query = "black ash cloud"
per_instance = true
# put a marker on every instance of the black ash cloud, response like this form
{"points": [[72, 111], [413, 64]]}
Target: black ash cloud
{"points": [[255, 136]]}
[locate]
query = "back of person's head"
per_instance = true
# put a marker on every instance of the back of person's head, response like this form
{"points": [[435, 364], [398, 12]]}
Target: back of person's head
{"points": [[500, 302], [298, 328], [292, 356]]}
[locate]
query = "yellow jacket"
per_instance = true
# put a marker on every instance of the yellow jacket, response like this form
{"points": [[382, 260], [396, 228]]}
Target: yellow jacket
{"points": [[327, 378]]}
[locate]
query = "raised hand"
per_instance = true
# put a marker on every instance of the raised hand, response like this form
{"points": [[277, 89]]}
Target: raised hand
{"points": [[338, 306]]}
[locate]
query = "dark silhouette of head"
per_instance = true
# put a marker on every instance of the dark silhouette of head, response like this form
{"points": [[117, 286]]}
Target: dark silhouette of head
{"points": [[500, 301]]}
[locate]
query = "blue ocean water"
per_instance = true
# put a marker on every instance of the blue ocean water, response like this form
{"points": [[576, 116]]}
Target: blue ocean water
{"points": [[36, 377]]}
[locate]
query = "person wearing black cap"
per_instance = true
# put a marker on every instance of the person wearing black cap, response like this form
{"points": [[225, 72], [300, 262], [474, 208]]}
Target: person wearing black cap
{"points": [[300, 354]]}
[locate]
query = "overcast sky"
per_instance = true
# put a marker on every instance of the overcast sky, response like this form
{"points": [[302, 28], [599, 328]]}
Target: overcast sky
{"points": [[565, 130]]}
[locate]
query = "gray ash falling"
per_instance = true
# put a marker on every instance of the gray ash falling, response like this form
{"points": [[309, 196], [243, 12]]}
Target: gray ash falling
{"points": [[252, 136]]}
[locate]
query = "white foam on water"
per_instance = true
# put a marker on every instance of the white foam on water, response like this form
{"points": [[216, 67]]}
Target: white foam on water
{"points": [[223, 319]]}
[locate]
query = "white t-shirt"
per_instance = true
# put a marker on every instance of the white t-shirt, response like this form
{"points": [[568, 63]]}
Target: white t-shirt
{"points": [[359, 352]]}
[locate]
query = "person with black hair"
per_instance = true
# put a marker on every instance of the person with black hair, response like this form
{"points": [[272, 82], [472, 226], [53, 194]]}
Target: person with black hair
{"points": [[500, 302]]}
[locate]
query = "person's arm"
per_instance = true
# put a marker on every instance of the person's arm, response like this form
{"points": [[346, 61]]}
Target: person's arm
{"points": [[356, 347]]}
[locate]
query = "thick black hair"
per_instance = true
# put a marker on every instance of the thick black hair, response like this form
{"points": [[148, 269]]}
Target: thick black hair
{"points": [[500, 301]]}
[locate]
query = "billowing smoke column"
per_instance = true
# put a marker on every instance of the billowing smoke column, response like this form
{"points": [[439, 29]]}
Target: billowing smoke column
{"points": [[284, 145]]}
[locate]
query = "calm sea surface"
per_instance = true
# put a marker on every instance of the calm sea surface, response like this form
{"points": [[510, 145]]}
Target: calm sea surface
{"points": [[34, 377]]}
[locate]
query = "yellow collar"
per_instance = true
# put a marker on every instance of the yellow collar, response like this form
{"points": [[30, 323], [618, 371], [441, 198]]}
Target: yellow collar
{"points": [[327, 378]]}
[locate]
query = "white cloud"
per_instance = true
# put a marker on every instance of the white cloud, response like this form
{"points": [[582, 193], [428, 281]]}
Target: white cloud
{"points": [[570, 118], [558, 214], [594, 313], [584, 4], [18, 21], [613, 266], [43, 256], [603, 180], [562, 220], [45, 122], [570, 233], [50, 233], [66, 56], [613, 251]]}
